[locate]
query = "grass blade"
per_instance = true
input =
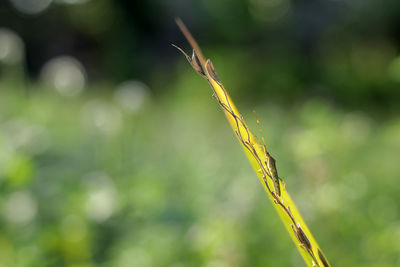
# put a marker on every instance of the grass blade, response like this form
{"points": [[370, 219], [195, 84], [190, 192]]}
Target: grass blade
{"points": [[261, 160]]}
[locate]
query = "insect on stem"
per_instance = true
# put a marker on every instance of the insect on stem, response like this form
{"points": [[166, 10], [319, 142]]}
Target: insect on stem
{"points": [[270, 162]]}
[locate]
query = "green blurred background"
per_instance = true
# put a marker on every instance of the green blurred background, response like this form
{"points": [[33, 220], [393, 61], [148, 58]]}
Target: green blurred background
{"points": [[113, 152]]}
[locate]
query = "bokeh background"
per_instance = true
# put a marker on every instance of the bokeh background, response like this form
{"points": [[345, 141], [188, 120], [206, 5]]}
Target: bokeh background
{"points": [[114, 153]]}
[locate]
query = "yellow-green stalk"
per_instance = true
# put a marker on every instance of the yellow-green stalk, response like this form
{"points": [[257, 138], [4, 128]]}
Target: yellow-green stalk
{"points": [[261, 160]]}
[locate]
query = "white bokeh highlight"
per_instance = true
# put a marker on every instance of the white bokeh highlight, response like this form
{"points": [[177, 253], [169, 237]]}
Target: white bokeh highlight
{"points": [[65, 74], [20, 208], [102, 117], [21, 134], [101, 200], [31, 7], [72, 2], [131, 95], [12, 48]]}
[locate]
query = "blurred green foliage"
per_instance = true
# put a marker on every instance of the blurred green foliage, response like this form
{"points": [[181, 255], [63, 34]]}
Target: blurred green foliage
{"points": [[168, 186], [98, 173]]}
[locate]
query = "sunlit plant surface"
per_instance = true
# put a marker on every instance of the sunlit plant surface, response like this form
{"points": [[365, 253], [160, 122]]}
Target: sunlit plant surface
{"points": [[260, 158]]}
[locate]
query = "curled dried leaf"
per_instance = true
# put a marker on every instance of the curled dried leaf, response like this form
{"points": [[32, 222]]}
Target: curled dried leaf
{"points": [[194, 61], [211, 71], [183, 52], [196, 64]]}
